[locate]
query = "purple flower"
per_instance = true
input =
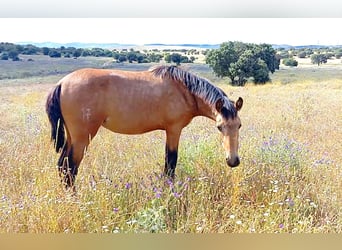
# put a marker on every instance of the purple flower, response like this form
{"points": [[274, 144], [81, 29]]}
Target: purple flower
{"points": [[115, 210], [170, 183], [290, 202], [128, 185], [281, 225], [158, 192], [177, 195]]}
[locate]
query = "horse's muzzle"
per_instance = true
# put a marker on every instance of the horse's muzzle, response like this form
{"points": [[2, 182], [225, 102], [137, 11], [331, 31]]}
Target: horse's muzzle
{"points": [[233, 162]]}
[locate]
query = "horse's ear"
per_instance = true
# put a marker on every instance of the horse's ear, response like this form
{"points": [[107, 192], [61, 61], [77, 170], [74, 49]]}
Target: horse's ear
{"points": [[219, 105], [238, 104]]}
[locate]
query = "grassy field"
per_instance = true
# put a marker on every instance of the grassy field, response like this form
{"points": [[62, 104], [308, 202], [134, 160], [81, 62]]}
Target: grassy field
{"points": [[289, 179]]}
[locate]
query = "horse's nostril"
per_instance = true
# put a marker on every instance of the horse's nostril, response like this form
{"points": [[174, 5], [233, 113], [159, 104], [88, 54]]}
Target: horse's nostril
{"points": [[233, 162]]}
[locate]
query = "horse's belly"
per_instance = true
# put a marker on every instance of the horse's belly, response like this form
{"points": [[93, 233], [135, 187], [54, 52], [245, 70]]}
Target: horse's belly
{"points": [[131, 126]]}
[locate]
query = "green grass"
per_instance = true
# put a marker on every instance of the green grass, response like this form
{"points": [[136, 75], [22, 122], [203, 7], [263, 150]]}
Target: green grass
{"points": [[288, 180]]}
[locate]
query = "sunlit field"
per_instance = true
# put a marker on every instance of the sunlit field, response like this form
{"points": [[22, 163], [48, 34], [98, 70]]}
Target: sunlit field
{"points": [[289, 179]]}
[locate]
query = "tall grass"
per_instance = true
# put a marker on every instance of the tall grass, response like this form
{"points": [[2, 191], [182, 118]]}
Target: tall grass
{"points": [[288, 179]]}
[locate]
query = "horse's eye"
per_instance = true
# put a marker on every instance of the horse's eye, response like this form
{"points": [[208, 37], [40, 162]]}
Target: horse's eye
{"points": [[219, 127], [240, 126]]}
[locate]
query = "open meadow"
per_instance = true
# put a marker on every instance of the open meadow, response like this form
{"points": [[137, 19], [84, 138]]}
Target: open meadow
{"points": [[289, 179]]}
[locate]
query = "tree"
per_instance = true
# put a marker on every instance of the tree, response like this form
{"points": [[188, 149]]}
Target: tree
{"points": [[239, 61], [302, 54], [268, 55], [4, 56], [176, 58], [318, 59], [54, 53], [77, 53], [132, 56], [122, 58], [220, 60], [260, 72], [167, 58], [13, 54], [45, 51]]}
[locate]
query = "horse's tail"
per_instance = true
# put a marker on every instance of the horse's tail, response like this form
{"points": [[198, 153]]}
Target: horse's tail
{"points": [[53, 110]]}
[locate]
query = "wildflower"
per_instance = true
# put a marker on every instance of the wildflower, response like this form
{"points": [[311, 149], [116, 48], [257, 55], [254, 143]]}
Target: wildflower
{"points": [[290, 202], [170, 183], [239, 222], [177, 195], [232, 216], [157, 192], [128, 185], [115, 210]]}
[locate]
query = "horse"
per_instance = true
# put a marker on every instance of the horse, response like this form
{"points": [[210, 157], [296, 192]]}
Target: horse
{"points": [[164, 97]]}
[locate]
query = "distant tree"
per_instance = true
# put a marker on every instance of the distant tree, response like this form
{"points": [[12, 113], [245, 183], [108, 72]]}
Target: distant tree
{"points": [[153, 57], [176, 58], [290, 62], [284, 54], [116, 55], [54, 53], [30, 50], [4, 56], [184, 59], [45, 51], [301, 54], [122, 58], [86, 52], [142, 58], [318, 59], [13, 54], [132, 56], [167, 58], [338, 55], [77, 53]]}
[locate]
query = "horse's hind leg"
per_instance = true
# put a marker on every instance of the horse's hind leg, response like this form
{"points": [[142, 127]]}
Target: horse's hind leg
{"points": [[73, 154]]}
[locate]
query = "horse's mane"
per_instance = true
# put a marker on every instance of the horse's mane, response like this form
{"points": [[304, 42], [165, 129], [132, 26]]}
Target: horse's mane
{"points": [[198, 86]]}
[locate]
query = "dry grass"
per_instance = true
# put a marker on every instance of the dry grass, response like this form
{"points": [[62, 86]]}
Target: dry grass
{"points": [[288, 181]]}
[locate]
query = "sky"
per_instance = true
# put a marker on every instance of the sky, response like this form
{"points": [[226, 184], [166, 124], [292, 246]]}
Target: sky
{"points": [[291, 31]]}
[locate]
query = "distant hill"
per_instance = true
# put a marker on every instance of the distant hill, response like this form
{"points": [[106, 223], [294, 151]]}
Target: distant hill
{"points": [[79, 45], [186, 45], [313, 46], [116, 45]]}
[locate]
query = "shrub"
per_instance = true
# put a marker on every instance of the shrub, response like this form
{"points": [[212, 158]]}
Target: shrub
{"points": [[290, 62]]}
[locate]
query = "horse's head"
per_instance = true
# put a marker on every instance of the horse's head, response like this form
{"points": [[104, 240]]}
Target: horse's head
{"points": [[229, 123]]}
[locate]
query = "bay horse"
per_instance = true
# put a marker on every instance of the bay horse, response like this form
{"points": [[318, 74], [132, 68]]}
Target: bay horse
{"points": [[134, 102]]}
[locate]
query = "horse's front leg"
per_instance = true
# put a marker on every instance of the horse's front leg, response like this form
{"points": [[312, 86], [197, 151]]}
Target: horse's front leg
{"points": [[171, 152]]}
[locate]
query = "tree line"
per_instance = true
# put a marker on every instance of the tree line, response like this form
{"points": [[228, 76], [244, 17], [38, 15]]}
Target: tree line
{"points": [[317, 56], [238, 61], [12, 51]]}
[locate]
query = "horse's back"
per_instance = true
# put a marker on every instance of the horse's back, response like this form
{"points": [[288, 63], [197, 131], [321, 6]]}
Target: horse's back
{"points": [[122, 101]]}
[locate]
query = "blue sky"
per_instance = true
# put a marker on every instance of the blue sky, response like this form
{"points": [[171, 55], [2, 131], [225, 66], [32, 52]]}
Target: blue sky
{"points": [[292, 31]]}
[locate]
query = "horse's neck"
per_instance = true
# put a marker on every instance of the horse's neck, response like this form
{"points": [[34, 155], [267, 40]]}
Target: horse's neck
{"points": [[203, 109]]}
